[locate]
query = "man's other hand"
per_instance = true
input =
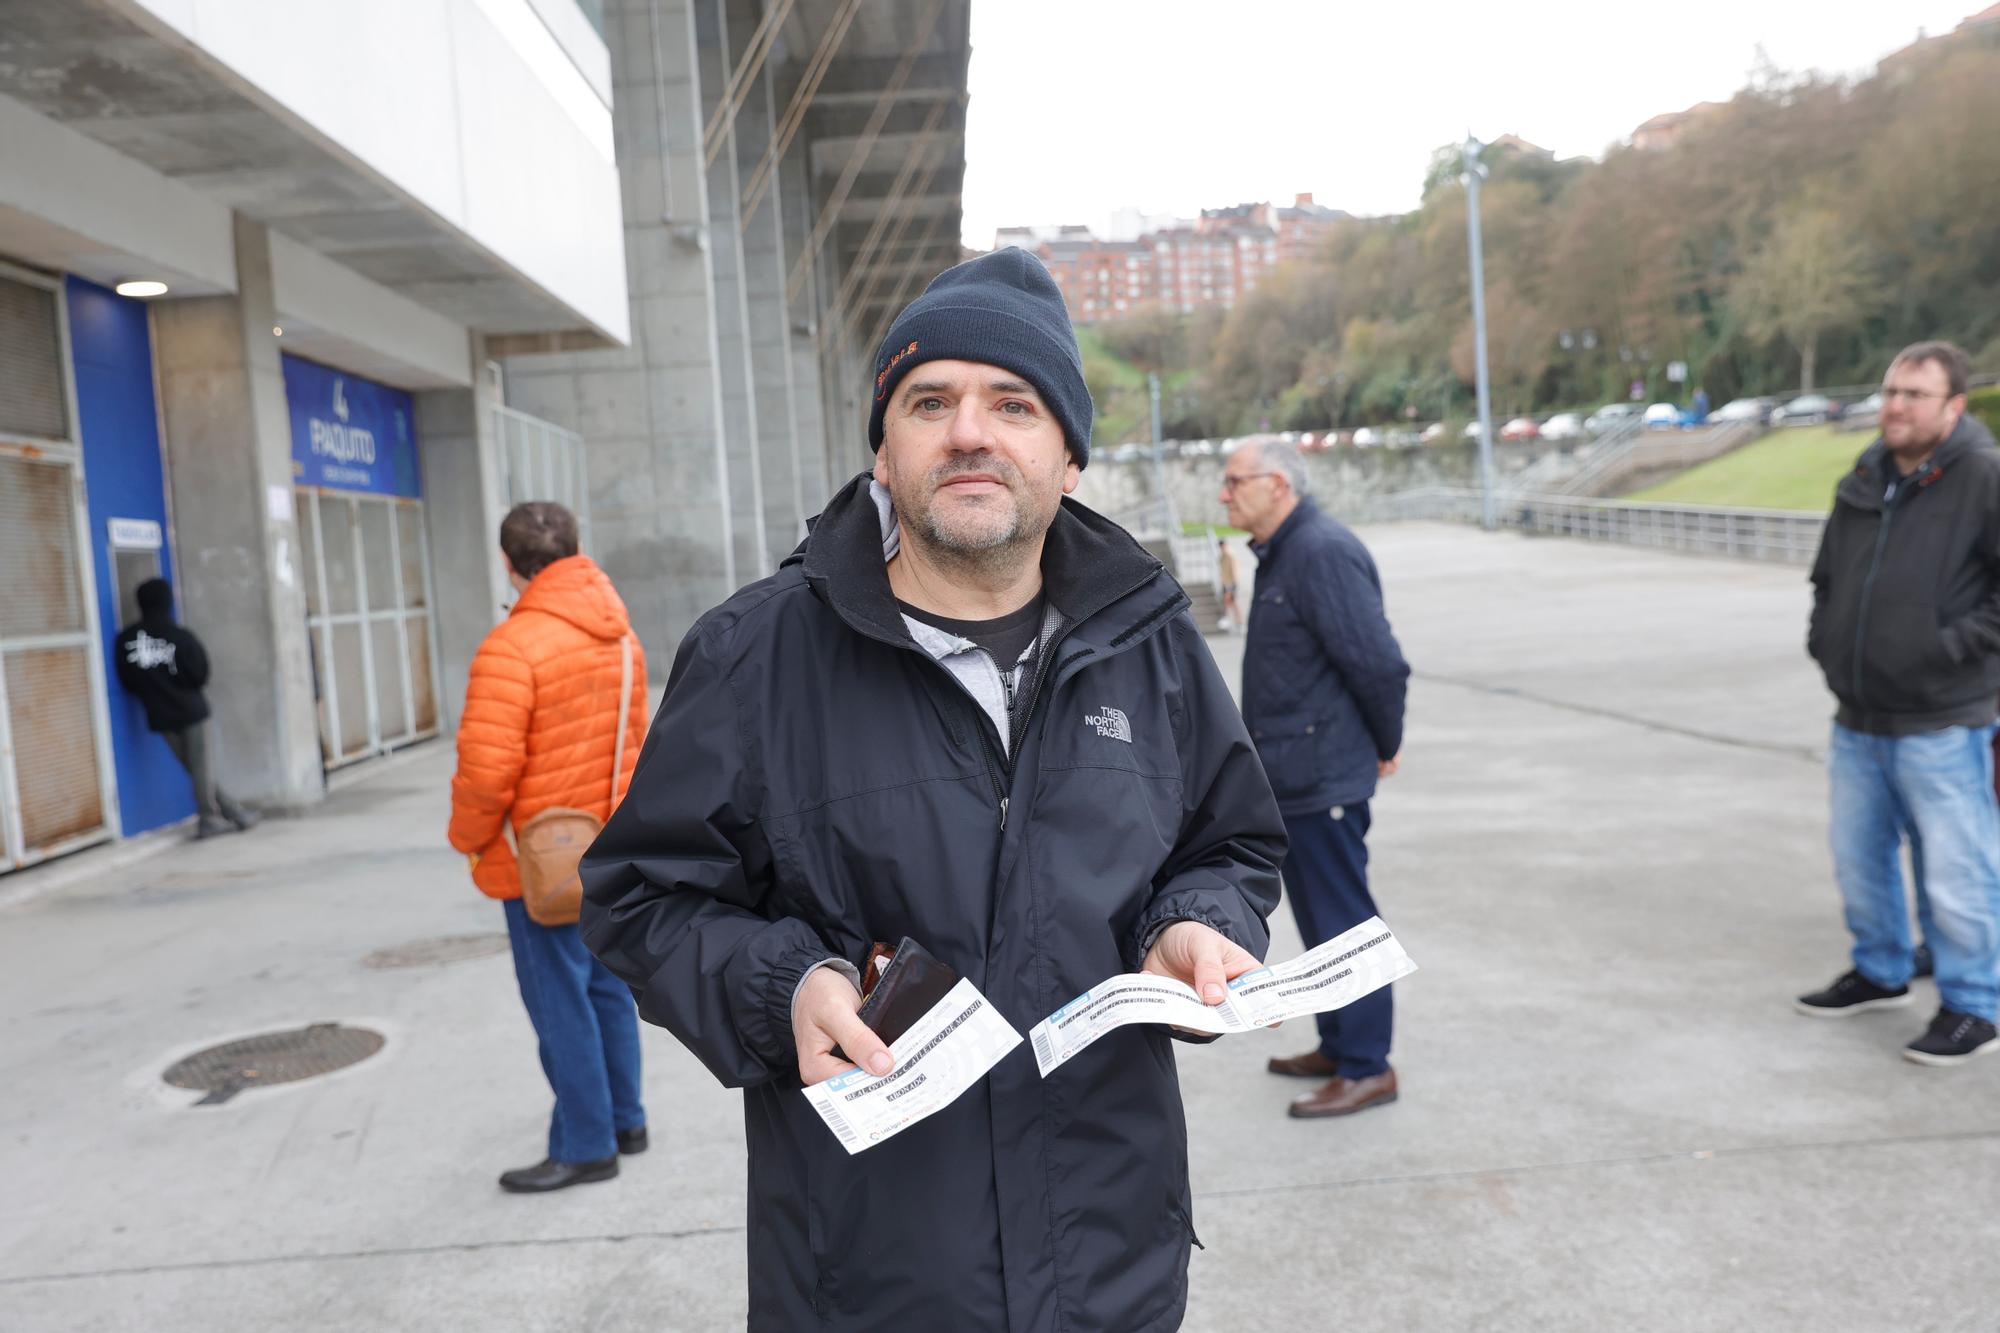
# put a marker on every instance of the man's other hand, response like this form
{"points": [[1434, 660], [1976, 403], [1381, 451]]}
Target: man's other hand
{"points": [[1199, 955], [825, 1016], [1386, 768]]}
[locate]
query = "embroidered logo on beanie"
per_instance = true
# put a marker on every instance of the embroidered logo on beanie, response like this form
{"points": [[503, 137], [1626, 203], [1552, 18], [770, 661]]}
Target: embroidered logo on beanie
{"points": [[881, 379]]}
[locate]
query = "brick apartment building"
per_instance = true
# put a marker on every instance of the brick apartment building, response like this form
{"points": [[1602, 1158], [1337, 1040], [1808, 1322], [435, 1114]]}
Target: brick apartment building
{"points": [[1213, 261]]}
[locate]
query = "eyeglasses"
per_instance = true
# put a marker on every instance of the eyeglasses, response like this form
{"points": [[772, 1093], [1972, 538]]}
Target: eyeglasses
{"points": [[1910, 395], [1230, 483]]}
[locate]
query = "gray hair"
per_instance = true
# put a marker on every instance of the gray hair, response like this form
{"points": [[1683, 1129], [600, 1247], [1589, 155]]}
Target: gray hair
{"points": [[1285, 460]]}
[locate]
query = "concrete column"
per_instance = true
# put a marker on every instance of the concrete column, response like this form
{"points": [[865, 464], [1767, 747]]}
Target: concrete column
{"points": [[817, 478], [765, 268], [717, 60], [651, 417], [463, 506], [229, 466]]}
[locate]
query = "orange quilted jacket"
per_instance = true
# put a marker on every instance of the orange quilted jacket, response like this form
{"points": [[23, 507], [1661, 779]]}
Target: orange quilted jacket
{"points": [[541, 716]]}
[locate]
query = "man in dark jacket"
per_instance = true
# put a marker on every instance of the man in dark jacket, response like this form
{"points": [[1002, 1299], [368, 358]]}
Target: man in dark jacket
{"points": [[1906, 626], [164, 667], [973, 713], [1323, 686]]}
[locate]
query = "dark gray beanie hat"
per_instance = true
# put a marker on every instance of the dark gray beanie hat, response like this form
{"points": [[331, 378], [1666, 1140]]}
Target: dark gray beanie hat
{"points": [[1001, 309]]}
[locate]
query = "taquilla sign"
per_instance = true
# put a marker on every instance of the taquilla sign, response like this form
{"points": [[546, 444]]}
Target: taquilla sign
{"points": [[350, 433]]}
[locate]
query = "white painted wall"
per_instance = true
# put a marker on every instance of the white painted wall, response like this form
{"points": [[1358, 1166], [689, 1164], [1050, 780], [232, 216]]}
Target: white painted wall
{"points": [[472, 108]]}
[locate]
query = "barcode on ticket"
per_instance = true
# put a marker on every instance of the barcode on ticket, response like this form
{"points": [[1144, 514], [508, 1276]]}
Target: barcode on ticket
{"points": [[1042, 1054], [838, 1124]]}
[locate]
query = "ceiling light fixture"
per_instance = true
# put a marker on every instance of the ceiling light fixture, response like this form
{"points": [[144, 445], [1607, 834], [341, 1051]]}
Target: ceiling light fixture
{"points": [[141, 287], [277, 330]]}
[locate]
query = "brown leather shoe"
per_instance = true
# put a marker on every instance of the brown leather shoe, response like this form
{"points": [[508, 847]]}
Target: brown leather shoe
{"points": [[1345, 1096], [1310, 1065]]}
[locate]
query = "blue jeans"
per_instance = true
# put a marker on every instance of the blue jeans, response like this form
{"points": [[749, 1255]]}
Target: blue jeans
{"points": [[589, 1035], [1936, 789], [1326, 879]]}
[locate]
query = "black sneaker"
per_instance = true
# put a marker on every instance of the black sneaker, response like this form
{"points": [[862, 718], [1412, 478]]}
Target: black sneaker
{"points": [[1852, 994], [1922, 964], [1953, 1039]]}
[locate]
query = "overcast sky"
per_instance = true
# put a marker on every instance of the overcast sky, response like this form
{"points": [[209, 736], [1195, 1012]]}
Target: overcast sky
{"points": [[1081, 107]]}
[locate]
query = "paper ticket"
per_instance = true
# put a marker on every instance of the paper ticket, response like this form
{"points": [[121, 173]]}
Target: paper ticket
{"points": [[945, 1052], [1352, 964], [1331, 976]]}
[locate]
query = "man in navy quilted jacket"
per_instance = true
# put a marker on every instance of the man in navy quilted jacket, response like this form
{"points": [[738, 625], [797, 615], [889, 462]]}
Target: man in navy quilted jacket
{"points": [[1323, 689]]}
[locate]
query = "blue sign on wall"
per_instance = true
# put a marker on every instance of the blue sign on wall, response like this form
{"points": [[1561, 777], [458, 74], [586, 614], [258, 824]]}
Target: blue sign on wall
{"points": [[348, 433]]}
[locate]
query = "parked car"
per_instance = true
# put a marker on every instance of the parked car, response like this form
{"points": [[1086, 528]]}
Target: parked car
{"points": [[1663, 416], [1805, 410], [1367, 437], [1198, 449], [1563, 426], [1472, 429], [1433, 432], [1609, 415], [1870, 407], [1744, 409], [1126, 453], [1521, 428]]}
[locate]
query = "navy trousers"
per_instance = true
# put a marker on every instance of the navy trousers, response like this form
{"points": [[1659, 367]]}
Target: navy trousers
{"points": [[1326, 878], [589, 1035]]}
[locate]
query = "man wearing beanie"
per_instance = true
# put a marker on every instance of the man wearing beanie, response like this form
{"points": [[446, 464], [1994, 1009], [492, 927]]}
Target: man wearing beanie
{"points": [[969, 712]]}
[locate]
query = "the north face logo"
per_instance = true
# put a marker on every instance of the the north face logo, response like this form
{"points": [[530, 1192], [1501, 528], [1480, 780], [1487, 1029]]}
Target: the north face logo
{"points": [[1110, 722]]}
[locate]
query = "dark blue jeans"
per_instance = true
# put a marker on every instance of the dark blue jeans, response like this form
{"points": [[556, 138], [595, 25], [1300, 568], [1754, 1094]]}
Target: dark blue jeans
{"points": [[589, 1034], [1326, 878]]}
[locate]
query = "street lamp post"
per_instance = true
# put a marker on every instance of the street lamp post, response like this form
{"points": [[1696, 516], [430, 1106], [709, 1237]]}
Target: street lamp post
{"points": [[1475, 171], [1157, 451]]}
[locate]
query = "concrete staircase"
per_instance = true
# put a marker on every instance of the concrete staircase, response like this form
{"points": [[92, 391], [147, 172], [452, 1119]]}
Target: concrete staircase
{"points": [[1207, 609]]}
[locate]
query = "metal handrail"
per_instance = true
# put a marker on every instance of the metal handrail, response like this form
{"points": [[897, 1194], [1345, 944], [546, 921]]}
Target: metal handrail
{"points": [[1787, 535]]}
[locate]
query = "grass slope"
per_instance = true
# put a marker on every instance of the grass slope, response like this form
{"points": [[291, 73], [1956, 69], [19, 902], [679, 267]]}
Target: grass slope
{"points": [[1794, 468]]}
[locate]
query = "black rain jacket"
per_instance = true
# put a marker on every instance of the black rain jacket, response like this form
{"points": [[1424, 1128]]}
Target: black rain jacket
{"points": [[1906, 592], [814, 781]]}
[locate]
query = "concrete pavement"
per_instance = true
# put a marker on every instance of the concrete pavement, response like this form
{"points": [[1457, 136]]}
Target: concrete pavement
{"points": [[1606, 852]]}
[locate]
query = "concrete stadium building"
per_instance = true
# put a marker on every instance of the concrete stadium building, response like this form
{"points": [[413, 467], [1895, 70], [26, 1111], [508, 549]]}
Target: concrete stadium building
{"points": [[390, 266]]}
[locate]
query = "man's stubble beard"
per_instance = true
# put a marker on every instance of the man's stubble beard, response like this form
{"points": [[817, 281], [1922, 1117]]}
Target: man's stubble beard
{"points": [[988, 553]]}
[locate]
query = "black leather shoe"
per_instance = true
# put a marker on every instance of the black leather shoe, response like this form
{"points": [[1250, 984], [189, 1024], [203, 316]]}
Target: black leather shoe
{"points": [[631, 1141], [549, 1174]]}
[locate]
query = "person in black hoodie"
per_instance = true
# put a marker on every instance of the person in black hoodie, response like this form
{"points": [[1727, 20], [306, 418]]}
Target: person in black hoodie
{"points": [[164, 666], [1906, 626]]}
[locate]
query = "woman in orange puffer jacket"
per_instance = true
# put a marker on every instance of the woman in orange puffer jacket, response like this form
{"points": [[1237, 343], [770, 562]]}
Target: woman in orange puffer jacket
{"points": [[540, 729]]}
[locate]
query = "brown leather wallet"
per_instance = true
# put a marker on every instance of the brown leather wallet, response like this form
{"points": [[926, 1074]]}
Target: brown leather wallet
{"points": [[897, 993]]}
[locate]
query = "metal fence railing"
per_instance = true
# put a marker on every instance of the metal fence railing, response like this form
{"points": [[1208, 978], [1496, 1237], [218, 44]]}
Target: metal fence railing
{"points": [[1782, 535], [540, 460], [1657, 451]]}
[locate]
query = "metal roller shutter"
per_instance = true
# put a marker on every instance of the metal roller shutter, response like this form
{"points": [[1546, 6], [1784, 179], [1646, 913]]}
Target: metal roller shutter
{"points": [[54, 773]]}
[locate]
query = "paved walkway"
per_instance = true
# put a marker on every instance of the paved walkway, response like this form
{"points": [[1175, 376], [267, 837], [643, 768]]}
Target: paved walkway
{"points": [[1606, 851]]}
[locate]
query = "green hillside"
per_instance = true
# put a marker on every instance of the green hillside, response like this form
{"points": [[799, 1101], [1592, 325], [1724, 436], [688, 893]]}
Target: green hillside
{"points": [[1794, 468]]}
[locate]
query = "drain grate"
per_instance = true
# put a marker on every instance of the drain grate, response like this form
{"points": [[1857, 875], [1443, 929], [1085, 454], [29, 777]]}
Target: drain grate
{"points": [[444, 949], [272, 1057]]}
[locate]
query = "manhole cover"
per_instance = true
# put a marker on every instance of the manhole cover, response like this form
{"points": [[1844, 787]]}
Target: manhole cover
{"points": [[272, 1057], [445, 949]]}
